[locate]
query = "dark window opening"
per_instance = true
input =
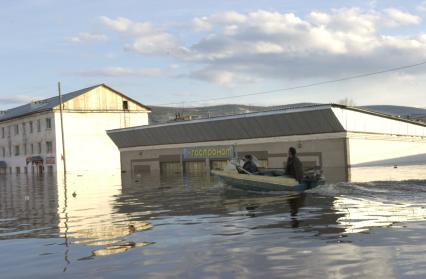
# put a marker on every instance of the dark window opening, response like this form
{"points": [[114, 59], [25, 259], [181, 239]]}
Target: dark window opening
{"points": [[125, 105]]}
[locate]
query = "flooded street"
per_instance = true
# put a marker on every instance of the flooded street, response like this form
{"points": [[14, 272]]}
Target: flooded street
{"points": [[95, 226]]}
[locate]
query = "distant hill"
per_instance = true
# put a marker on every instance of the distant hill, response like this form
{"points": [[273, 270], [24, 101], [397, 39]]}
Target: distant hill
{"points": [[167, 114]]}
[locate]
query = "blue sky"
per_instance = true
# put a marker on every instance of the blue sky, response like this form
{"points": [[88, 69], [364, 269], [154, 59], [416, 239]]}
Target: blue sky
{"points": [[162, 52]]}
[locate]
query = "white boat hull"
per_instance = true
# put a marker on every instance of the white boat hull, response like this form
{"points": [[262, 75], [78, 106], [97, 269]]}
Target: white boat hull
{"points": [[264, 183]]}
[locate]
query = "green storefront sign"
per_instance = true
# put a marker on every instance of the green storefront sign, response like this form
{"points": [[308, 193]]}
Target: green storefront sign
{"points": [[211, 152]]}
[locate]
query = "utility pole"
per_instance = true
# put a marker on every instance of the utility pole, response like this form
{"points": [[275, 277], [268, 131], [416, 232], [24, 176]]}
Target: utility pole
{"points": [[62, 130]]}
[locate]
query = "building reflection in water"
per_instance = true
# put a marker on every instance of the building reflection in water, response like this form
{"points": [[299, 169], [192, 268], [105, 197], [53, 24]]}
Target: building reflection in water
{"points": [[88, 216], [28, 207], [79, 210], [170, 195], [388, 173], [110, 213], [362, 214]]}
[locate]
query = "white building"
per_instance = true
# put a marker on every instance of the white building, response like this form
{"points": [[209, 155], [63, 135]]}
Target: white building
{"points": [[30, 135]]}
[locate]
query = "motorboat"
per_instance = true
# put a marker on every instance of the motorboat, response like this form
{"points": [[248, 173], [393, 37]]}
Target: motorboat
{"points": [[268, 179]]}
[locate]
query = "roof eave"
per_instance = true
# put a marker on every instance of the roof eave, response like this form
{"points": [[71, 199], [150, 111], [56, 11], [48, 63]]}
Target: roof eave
{"points": [[26, 114]]}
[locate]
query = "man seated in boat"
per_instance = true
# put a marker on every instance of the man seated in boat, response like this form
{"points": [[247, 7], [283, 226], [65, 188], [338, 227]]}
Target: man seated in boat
{"points": [[294, 167], [249, 166]]}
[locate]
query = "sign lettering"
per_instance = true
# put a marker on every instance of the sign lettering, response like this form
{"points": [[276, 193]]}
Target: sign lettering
{"points": [[211, 152]]}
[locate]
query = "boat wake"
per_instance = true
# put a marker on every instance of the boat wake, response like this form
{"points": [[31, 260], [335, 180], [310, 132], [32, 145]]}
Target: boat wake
{"points": [[408, 188]]}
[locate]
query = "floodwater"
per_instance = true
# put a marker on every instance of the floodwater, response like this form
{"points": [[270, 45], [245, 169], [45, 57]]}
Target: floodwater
{"points": [[95, 226]]}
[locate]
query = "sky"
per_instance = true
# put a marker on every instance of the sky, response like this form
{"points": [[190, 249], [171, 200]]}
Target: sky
{"points": [[192, 53]]}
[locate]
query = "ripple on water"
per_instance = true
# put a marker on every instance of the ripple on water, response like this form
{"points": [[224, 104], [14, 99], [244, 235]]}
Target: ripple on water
{"points": [[196, 227]]}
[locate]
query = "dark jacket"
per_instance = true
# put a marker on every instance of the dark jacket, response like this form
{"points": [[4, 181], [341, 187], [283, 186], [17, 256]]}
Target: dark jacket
{"points": [[294, 168], [250, 167]]}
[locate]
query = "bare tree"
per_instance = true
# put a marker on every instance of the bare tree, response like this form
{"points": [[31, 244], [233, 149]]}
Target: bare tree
{"points": [[347, 102]]}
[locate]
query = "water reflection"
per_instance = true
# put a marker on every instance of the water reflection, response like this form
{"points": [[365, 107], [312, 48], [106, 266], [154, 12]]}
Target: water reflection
{"points": [[28, 206], [360, 214], [153, 226], [388, 173]]}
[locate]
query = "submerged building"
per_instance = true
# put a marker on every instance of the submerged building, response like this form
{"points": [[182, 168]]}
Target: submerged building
{"points": [[30, 135], [335, 138]]}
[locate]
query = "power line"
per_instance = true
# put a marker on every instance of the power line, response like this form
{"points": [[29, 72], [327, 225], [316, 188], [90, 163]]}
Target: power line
{"points": [[302, 86]]}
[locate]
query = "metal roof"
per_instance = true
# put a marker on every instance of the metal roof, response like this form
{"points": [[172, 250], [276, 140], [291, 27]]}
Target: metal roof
{"points": [[43, 105], [50, 103], [295, 121]]}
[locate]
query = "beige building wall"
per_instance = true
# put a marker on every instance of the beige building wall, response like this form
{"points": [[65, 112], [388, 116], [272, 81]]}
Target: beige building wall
{"points": [[386, 157], [86, 119], [102, 98], [87, 146], [372, 150], [328, 153]]}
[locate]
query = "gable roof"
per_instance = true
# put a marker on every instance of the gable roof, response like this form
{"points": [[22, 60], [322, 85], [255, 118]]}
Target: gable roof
{"points": [[294, 121], [305, 120], [127, 97], [50, 103]]}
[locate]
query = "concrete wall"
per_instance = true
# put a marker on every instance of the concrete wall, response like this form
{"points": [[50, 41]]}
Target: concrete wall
{"points": [[87, 145], [327, 153], [86, 119], [385, 157], [26, 138], [375, 150]]}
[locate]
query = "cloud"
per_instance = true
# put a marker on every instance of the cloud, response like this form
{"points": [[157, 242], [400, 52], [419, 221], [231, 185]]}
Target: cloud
{"points": [[87, 38], [123, 72], [148, 39], [120, 24], [222, 76], [268, 44], [202, 24], [397, 17], [21, 99], [422, 6], [233, 47]]}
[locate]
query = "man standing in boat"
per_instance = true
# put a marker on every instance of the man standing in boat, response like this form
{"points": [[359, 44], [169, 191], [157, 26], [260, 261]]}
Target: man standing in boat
{"points": [[294, 166]]}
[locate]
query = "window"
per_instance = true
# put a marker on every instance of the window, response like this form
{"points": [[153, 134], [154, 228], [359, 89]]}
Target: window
{"points": [[2, 132], [32, 148], [25, 149], [38, 125], [49, 148], [3, 152], [18, 170], [24, 128], [39, 148], [8, 131], [125, 105], [16, 150], [16, 129], [31, 127], [48, 123]]}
